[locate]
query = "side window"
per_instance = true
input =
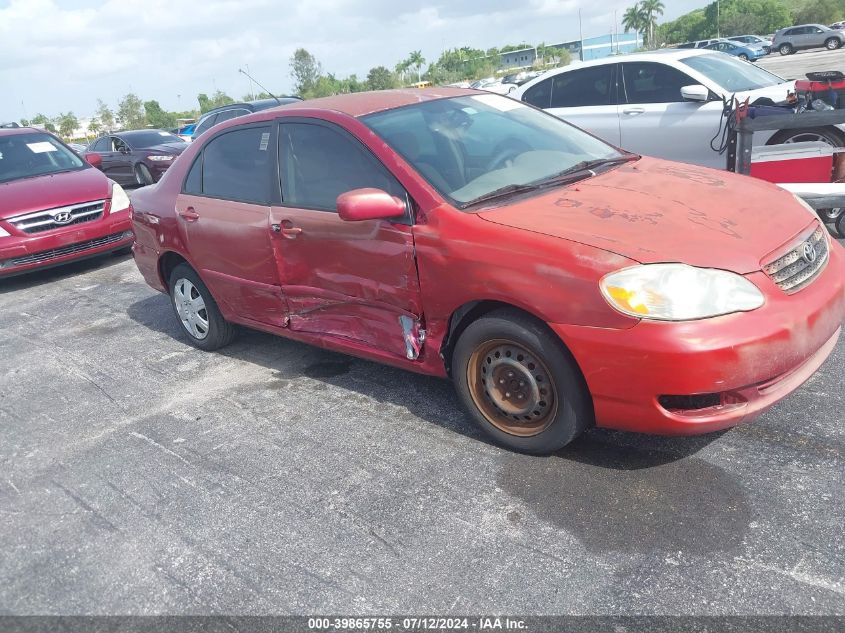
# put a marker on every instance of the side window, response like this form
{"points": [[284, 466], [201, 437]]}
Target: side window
{"points": [[319, 163], [230, 114], [587, 87], [101, 145], [648, 82], [193, 182], [207, 123], [539, 95], [119, 145], [236, 166], [815, 29]]}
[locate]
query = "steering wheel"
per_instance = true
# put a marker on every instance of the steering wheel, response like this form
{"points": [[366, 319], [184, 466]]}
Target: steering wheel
{"points": [[506, 151]]}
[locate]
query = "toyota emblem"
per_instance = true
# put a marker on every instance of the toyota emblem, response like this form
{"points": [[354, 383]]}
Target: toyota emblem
{"points": [[809, 254], [62, 217]]}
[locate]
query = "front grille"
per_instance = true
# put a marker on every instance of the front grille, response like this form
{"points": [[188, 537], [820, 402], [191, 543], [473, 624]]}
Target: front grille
{"points": [[79, 247], [800, 266], [49, 219]]}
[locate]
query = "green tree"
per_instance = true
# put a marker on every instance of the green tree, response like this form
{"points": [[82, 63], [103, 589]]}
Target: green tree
{"points": [[737, 17], [219, 98], [820, 12], [105, 116], [381, 78], [42, 121], [25, 123], [635, 19], [67, 123], [95, 127], [651, 9], [416, 60], [130, 112], [157, 116], [305, 70]]}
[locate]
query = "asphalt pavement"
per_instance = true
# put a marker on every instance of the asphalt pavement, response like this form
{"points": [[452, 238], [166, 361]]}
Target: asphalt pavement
{"points": [[139, 475], [797, 65]]}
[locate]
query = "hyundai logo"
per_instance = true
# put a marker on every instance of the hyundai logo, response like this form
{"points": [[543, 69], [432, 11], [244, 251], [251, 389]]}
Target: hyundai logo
{"points": [[809, 253], [62, 217]]}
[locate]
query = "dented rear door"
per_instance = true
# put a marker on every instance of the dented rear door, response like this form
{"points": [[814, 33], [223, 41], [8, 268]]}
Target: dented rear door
{"points": [[355, 280]]}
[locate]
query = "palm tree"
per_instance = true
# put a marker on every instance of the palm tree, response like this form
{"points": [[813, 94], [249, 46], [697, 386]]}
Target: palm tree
{"points": [[635, 19], [402, 68], [416, 60], [652, 9]]}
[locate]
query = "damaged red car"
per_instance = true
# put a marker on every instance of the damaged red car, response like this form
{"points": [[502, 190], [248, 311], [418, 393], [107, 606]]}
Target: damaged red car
{"points": [[560, 282]]}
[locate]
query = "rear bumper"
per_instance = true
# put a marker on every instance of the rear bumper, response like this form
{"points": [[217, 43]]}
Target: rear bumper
{"points": [[21, 254], [748, 361]]}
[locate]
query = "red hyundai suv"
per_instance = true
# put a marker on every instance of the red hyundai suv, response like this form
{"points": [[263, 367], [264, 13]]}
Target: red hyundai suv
{"points": [[54, 207], [559, 281]]}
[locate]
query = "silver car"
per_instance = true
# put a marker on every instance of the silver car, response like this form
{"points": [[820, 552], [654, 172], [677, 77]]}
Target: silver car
{"points": [[795, 38]]}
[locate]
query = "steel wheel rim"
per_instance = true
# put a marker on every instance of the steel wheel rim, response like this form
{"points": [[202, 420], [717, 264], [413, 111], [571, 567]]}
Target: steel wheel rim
{"points": [[512, 388], [190, 306], [805, 137]]}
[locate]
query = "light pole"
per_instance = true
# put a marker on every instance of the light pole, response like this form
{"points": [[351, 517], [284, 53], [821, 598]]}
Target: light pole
{"points": [[718, 19]]}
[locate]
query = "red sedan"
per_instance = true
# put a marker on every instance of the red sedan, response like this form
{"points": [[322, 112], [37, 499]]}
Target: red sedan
{"points": [[54, 207], [560, 282]]}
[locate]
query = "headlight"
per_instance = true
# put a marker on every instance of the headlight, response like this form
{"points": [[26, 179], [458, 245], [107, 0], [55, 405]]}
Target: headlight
{"points": [[162, 158], [119, 199], [678, 292], [4, 233]]}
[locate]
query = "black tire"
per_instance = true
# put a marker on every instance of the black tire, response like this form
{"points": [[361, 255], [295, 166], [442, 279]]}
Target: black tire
{"points": [[572, 410], [832, 43], [143, 175], [829, 135], [743, 57], [786, 49], [840, 225], [218, 332]]}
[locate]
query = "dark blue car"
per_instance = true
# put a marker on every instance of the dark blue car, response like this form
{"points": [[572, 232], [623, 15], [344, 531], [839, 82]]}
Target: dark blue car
{"points": [[743, 51]]}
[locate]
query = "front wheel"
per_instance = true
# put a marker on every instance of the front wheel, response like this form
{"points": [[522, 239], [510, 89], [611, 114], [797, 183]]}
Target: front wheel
{"points": [[143, 175], [840, 225], [829, 135], [197, 311], [832, 44], [785, 49], [519, 383]]}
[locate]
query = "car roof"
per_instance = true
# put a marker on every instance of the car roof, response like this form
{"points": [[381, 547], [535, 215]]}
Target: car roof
{"points": [[258, 104], [13, 131], [131, 133], [358, 104]]}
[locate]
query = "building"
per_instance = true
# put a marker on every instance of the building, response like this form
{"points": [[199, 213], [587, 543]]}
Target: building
{"points": [[593, 48]]}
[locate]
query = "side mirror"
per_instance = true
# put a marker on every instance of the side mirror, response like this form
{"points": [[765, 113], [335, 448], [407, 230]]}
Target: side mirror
{"points": [[696, 92], [369, 204], [95, 160]]}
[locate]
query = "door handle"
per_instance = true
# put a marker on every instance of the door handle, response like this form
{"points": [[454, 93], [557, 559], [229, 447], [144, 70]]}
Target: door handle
{"points": [[287, 229], [189, 215], [633, 111]]}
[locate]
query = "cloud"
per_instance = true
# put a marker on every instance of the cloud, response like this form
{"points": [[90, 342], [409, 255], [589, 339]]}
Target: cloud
{"points": [[59, 55]]}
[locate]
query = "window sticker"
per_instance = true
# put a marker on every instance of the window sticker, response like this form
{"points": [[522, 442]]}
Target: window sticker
{"points": [[40, 148], [265, 141], [503, 104]]}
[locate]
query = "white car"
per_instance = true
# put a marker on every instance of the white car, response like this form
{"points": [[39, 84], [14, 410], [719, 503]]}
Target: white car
{"points": [[494, 85], [665, 103]]}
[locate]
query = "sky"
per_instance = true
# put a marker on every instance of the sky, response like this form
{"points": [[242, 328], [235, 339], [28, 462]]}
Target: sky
{"points": [[62, 55]]}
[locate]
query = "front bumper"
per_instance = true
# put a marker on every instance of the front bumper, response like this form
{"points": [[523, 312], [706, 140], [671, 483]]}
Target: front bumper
{"points": [[749, 360], [23, 253]]}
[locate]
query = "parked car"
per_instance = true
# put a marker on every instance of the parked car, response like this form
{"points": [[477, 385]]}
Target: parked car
{"points": [[666, 103], [186, 133], [79, 148], [838, 26], [496, 86], [233, 110], [745, 53], [135, 157], [796, 38], [54, 207], [698, 43], [552, 276], [9, 125], [753, 40]]}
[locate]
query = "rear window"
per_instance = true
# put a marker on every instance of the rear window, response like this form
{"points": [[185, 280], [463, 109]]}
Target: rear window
{"points": [[35, 154], [142, 140]]}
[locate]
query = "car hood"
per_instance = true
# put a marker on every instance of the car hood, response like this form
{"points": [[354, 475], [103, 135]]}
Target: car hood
{"points": [[775, 93], [51, 191], [166, 148], [657, 211]]}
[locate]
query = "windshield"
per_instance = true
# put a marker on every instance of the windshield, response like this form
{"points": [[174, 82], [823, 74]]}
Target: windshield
{"points": [[731, 73], [35, 154], [469, 147], [152, 138]]}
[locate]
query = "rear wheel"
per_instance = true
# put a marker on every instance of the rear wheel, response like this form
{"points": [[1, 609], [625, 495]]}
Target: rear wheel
{"points": [[832, 44], [743, 57], [197, 311], [840, 225], [786, 49], [143, 175], [829, 135], [519, 383]]}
